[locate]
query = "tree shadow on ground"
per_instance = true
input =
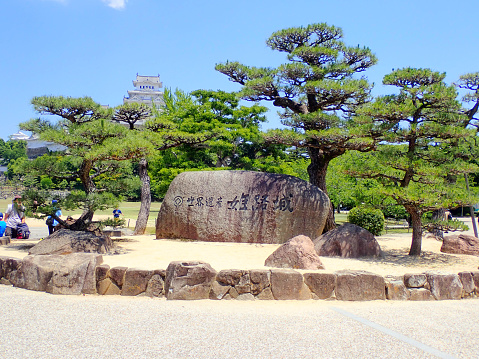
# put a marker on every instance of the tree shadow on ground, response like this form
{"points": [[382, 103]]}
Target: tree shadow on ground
{"points": [[22, 247], [401, 257]]}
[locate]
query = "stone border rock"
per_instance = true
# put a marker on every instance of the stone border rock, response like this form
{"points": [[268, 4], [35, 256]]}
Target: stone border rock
{"points": [[198, 280], [5, 240]]}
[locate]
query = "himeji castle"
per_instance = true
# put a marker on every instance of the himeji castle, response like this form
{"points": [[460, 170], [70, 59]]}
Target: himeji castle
{"points": [[147, 90]]}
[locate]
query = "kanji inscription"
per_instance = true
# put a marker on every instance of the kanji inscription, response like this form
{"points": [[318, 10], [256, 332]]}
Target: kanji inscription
{"points": [[243, 202]]}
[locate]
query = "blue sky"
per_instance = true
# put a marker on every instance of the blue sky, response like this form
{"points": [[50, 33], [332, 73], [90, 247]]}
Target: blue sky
{"points": [[96, 47]]}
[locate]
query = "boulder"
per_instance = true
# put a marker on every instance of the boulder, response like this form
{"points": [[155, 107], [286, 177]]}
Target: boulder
{"points": [[297, 253], [65, 241], [359, 285], [232, 294], [412, 280], [266, 294], [288, 285], [444, 285], [321, 284], [475, 276], [219, 290], [35, 272], [135, 281], [460, 244], [156, 286], [101, 272], [347, 241], [107, 287], [58, 274], [260, 280], [239, 279], [117, 274], [244, 285], [241, 206], [230, 277], [419, 294], [8, 265], [467, 281], [189, 280], [396, 290], [75, 274]]}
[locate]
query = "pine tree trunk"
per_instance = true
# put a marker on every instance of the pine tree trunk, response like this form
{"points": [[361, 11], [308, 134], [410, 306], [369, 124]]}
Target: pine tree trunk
{"points": [[317, 170], [85, 219], [142, 220], [82, 223], [415, 249], [438, 215]]}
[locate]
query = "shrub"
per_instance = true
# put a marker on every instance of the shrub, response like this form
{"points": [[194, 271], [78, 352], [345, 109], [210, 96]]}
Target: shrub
{"points": [[113, 222], [369, 218]]}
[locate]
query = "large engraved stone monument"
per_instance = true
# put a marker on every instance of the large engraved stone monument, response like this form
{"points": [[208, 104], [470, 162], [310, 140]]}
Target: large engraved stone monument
{"points": [[241, 206]]}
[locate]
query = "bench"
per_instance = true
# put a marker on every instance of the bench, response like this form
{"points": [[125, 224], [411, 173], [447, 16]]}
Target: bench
{"points": [[391, 223]]}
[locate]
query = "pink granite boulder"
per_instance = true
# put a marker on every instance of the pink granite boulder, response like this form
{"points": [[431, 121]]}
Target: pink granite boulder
{"points": [[460, 244], [347, 241], [241, 206], [297, 253]]}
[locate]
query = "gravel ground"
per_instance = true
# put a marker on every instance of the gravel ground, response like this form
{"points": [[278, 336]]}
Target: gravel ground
{"points": [[40, 325]]}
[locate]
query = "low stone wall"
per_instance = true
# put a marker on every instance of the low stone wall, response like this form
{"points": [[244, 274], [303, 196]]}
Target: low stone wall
{"points": [[198, 280]]}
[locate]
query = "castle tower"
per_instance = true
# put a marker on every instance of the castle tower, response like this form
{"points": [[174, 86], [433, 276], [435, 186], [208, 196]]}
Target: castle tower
{"points": [[147, 90]]}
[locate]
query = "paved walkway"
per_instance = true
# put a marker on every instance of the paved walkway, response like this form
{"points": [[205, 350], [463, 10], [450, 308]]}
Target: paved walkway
{"points": [[40, 325]]}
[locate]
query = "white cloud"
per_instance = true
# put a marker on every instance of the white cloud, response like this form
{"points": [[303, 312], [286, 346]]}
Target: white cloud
{"points": [[115, 4]]}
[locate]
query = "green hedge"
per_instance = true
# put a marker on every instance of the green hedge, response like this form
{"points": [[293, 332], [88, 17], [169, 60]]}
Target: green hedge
{"points": [[369, 218]]}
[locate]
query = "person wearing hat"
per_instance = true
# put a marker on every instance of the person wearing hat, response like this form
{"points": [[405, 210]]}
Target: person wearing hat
{"points": [[3, 225], [14, 215]]}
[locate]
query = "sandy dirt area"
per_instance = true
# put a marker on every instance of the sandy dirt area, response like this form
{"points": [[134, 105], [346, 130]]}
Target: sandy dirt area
{"points": [[149, 253]]}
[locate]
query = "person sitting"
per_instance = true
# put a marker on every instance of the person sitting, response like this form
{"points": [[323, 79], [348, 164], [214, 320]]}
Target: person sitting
{"points": [[3, 225], [14, 216]]}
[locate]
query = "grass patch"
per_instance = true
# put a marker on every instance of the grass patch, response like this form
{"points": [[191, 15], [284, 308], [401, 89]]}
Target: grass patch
{"points": [[129, 209], [341, 218], [4, 203]]}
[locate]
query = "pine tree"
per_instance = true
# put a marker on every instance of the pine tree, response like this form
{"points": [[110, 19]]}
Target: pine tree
{"points": [[94, 147], [418, 128], [134, 115], [318, 91]]}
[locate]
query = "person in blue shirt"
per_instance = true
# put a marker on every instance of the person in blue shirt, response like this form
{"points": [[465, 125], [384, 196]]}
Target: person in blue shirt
{"points": [[116, 213], [52, 223], [3, 225]]}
